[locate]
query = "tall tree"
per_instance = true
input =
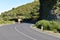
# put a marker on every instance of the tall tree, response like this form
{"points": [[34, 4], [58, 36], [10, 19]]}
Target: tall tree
{"points": [[45, 8]]}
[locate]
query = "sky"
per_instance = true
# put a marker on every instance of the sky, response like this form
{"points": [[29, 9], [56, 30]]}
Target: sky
{"points": [[6, 5]]}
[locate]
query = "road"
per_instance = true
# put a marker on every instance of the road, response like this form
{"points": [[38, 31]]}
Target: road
{"points": [[23, 31]]}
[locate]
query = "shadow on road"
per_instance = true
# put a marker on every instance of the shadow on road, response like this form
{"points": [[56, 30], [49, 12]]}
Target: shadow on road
{"points": [[29, 21]]}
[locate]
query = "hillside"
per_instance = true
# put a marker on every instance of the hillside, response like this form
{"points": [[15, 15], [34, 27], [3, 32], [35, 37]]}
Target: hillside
{"points": [[29, 11]]}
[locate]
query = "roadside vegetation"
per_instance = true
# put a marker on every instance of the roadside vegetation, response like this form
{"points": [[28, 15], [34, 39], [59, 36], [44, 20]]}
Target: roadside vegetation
{"points": [[48, 25], [31, 11], [28, 11], [6, 21]]}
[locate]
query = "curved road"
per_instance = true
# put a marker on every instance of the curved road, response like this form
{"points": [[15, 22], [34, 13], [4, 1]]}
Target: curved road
{"points": [[22, 32]]}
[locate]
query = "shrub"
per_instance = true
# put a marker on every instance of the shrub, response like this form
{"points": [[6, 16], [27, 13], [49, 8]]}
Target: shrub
{"points": [[55, 30], [53, 26], [49, 25], [58, 28], [7, 22], [44, 23]]}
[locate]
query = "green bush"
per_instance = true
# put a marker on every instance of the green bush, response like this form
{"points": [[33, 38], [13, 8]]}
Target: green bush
{"points": [[55, 30], [58, 28], [44, 23], [6, 22], [49, 25], [4, 18], [53, 25]]}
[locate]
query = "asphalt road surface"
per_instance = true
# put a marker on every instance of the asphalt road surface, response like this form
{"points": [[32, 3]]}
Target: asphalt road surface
{"points": [[22, 31]]}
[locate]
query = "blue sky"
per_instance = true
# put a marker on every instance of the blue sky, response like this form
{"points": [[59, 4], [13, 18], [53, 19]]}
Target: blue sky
{"points": [[9, 4]]}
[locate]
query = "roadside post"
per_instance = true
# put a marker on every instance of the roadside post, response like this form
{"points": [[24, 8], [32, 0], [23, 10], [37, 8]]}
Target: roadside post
{"points": [[41, 28]]}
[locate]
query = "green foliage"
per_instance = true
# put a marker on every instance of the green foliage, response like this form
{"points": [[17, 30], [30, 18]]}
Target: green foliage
{"points": [[6, 22], [44, 23], [53, 25], [24, 10], [49, 25], [27, 11]]}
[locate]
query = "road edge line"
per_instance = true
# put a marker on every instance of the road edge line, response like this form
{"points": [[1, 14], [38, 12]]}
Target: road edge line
{"points": [[38, 30], [24, 34]]}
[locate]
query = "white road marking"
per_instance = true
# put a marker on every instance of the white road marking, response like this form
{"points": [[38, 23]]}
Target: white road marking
{"points": [[24, 34], [38, 30]]}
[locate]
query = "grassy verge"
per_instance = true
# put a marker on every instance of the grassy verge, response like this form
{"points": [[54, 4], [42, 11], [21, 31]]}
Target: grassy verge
{"points": [[7, 22]]}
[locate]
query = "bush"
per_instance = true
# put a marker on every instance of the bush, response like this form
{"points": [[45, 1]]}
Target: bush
{"points": [[55, 30], [58, 28], [53, 25], [5, 18], [44, 23], [49, 25], [6, 22]]}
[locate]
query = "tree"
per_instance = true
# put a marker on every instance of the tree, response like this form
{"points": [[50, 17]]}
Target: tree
{"points": [[45, 8]]}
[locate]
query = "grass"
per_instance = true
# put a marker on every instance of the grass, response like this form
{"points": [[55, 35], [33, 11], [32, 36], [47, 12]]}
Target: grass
{"points": [[7, 22]]}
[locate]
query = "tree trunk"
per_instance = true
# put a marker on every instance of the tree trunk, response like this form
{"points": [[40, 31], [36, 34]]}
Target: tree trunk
{"points": [[45, 9]]}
